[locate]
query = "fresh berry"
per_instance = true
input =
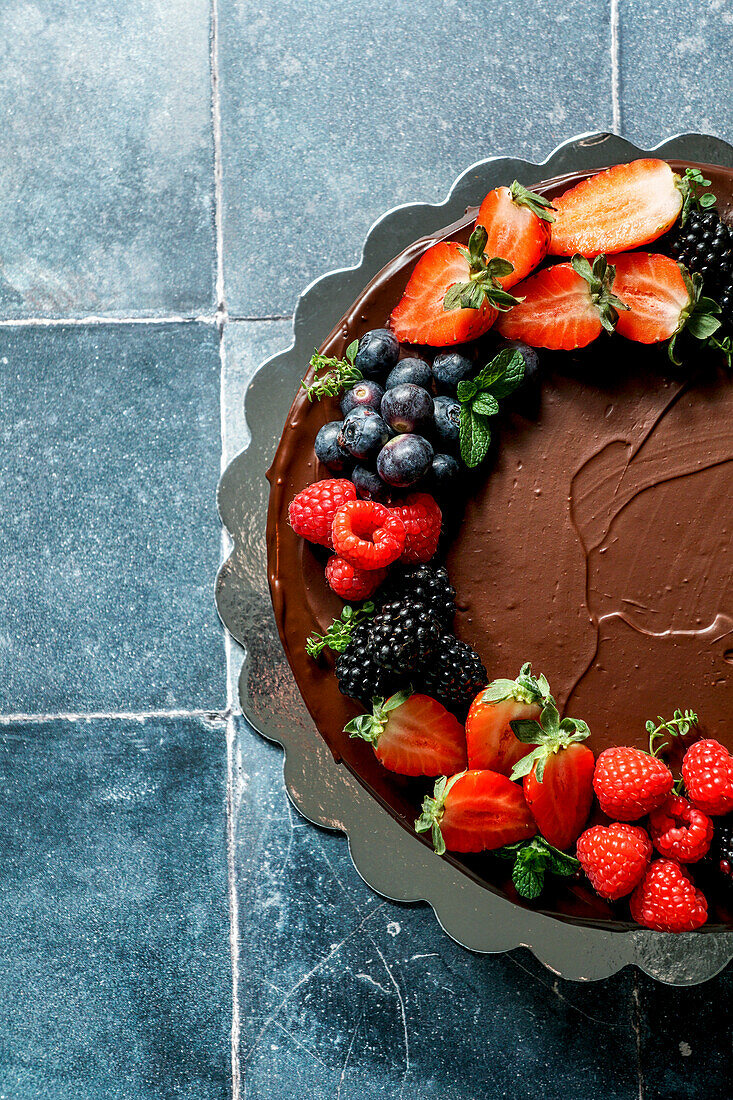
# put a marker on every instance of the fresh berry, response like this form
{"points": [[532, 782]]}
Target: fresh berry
{"points": [[351, 583], [475, 811], [557, 775], [328, 450], [364, 395], [404, 460], [680, 831], [454, 673], [707, 769], [630, 783], [704, 244], [311, 512], [614, 857], [412, 735], [531, 362], [378, 352], [518, 225], [425, 584], [422, 519], [369, 486], [403, 634], [447, 414], [413, 370], [363, 433], [563, 307], [367, 534], [407, 408], [452, 294], [358, 674], [491, 740], [450, 368], [445, 473], [721, 851], [625, 207], [666, 899]]}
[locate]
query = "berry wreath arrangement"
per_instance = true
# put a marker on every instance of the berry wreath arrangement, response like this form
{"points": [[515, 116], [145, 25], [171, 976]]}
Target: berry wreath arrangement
{"points": [[516, 785]]}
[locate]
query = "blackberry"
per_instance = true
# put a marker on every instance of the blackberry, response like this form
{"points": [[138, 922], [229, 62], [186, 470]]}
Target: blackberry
{"points": [[402, 635], [358, 674], [721, 851], [454, 674], [704, 244], [425, 584]]}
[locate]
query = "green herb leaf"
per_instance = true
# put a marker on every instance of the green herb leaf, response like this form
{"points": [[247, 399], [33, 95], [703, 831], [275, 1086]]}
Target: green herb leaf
{"points": [[538, 204], [691, 186], [679, 725], [532, 860], [474, 436], [338, 634], [479, 399], [485, 404], [699, 317], [331, 375]]}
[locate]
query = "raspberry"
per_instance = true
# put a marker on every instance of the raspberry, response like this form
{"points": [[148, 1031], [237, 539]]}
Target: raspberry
{"points": [[614, 857], [680, 831], [707, 769], [311, 512], [629, 783], [367, 534], [351, 583], [422, 519], [666, 899]]}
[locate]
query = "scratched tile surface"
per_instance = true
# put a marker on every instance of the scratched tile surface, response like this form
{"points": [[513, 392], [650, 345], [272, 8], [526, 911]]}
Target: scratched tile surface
{"points": [[115, 976]]}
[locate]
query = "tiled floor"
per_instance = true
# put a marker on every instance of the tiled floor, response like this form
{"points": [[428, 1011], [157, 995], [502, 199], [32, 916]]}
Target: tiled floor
{"points": [[171, 175]]}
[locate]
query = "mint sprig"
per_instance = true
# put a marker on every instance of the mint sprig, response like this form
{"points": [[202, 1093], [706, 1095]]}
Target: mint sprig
{"points": [[550, 735], [691, 186], [679, 725], [527, 688], [338, 634], [600, 277], [532, 860], [340, 373], [538, 204], [479, 398], [484, 273]]}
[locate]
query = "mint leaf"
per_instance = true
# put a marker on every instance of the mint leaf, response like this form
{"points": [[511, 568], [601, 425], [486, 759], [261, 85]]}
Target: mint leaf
{"points": [[512, 377], [528, 879], [532, 859], [485, 404], [466, 390], [474, 437]]}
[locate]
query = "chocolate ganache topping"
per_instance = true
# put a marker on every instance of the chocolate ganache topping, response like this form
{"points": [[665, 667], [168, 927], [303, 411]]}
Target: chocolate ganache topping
{"points": [[596, 542]]}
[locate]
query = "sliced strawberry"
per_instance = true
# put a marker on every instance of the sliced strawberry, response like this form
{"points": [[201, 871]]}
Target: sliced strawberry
{"points": [[489, 735], [624, 207], [412, 735], [453, 294], [518, 226], [475, 811], [563, 307]]}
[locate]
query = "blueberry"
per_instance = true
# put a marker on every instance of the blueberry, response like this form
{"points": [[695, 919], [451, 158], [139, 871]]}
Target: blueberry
{"points": [[445, 472], [404, 460], [447, 420], [450, 368], [531, 360], [378, 352], [364, 394], [328, 450], [363, 433], [368, 485], [412, 370], [407, 408]]}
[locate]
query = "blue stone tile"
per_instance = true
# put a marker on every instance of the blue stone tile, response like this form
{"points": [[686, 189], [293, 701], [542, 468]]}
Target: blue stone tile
{"points": [[115, 974], [689, 45], [106, 159], [357, 997], [333, 113], [109, 457]]}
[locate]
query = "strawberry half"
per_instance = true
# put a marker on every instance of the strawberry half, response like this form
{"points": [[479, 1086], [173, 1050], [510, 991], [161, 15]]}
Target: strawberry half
{"points": [[557, 774], [475, 811], [564, 307], [489, 735], [412, 735], [662, 299], [625, 207], [517, 223], [453, 295]]}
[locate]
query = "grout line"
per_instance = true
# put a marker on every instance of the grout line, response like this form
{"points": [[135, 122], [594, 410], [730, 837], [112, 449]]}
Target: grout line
{"points": [[131, 715], [615, 68], [232, 815], [97, 319], [221, 309], [270, 317]]}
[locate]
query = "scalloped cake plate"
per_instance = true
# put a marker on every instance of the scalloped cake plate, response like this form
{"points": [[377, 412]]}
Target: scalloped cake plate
{"points": [[387, 857]]}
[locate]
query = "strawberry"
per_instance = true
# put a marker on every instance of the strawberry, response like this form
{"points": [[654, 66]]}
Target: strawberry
{"points": [[707, 769], [629, 782], [412, 735], [564, 307], [680, 831], [475, 811], [557, 775], [624, 207], [453, 295], [662, 300], [666, 899], [518, 226], [614, 857], [489, 735]]}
